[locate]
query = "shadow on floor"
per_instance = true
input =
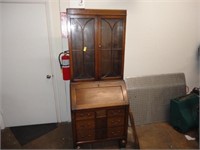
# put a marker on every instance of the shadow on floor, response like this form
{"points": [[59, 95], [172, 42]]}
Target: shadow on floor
{"points": [[151, 136], [26, 134]]}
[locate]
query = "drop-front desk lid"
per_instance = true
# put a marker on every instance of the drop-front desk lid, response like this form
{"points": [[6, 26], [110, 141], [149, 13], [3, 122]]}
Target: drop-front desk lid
{"points": [[96, 94]]}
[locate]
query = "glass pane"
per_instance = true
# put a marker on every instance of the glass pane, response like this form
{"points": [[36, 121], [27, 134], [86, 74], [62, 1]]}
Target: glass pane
{"points": [[83, 38], [111, 47], [111, 65]]}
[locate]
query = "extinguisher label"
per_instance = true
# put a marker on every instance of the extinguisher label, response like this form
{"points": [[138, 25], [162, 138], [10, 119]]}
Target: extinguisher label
{"points": [[65, 63], [65, 66]]}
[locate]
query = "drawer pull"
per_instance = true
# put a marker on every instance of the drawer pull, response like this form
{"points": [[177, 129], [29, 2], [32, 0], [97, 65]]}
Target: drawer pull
{"points": [[84, 115], [117, 121], [89, 135], [115, 133], [116, 112], [88, 114], [83, 126]]}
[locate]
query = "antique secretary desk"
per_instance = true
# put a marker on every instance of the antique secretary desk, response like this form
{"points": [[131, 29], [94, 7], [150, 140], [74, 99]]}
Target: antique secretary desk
{"points": [[99, 104]]}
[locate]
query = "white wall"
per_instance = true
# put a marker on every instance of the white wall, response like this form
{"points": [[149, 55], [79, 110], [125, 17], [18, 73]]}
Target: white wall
{"points": [[161, 36], [0, 45], [199, 22], [1, 119], [199, 36], [61, 88]]}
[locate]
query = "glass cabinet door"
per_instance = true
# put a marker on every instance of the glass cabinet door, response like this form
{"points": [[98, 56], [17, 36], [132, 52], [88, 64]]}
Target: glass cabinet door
{"points": [[111, 47], [82, 47]]}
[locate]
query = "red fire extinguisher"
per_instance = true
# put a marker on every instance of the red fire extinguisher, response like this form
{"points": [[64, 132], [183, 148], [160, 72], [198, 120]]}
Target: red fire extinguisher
{"points": [[64, 64]]}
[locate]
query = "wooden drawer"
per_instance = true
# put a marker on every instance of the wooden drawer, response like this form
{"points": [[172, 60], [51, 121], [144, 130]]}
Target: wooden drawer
{"points": [[82, 115], [85, 135], [100, 113], [85, 124], [115, 132], [101, 133], [116, 112], [116, 121], [101, 123]]}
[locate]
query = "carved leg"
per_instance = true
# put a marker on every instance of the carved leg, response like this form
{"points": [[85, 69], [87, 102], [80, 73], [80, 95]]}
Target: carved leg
{"points": [[122, 143], [78, 147]]}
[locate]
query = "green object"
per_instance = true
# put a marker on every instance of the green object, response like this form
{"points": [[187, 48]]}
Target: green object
{"points": [[184, 112]]}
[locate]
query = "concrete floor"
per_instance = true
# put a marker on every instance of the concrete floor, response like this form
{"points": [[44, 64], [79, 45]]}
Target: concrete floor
{"points": [[151, 136], [163, 136]]}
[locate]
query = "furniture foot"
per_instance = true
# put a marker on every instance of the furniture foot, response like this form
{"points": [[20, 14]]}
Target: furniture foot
{"points": [[122, 143]]}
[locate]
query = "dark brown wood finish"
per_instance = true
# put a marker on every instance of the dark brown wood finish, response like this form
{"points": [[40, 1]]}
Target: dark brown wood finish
{"points": [[82, 35], [111, 47], [98, 12], [97, 94], [96, 43], [99, 105], [99, 111]]}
